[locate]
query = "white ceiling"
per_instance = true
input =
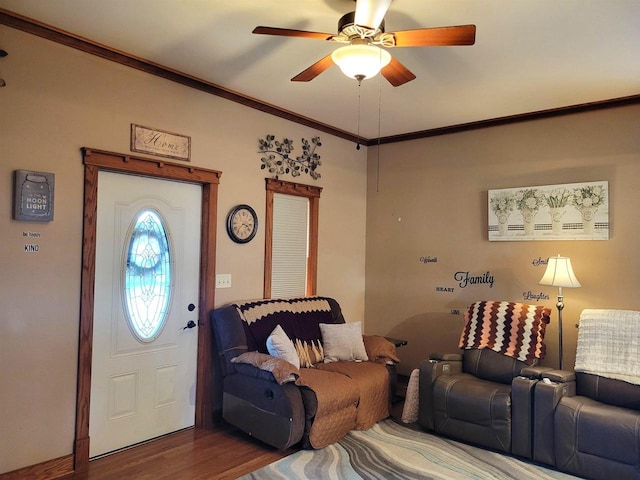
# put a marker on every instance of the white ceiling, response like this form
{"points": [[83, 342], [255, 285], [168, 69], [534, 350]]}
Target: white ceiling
{"points": [[530, 55]]}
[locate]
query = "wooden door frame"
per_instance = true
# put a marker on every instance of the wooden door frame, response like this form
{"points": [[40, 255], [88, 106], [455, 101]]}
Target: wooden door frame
{"points": [[94, 161]]}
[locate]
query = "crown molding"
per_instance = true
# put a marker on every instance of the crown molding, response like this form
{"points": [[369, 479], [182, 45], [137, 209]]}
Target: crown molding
{"points": [[63, 37]]}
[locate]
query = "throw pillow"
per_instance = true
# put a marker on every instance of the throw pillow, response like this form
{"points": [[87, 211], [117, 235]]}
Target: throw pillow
{"points": [[343, 341], [309, 352], [279, 345], [379, 349], [281, 370]]}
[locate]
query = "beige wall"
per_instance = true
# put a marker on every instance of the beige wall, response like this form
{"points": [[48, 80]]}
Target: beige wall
{"points": [[432, 202], [58, 100]]}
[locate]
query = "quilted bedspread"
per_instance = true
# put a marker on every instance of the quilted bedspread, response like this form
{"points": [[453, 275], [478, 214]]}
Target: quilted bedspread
{"points": [[373, 384], [355, 398]]}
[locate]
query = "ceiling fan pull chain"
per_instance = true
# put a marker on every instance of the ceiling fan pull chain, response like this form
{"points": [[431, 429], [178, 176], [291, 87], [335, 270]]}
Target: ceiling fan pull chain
{"points": [[358, 143], [379, 124]]}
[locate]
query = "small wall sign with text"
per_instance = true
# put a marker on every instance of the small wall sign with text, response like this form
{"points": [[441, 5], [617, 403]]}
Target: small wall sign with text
{"points": [[528, 296], [445, 289], [31, 247], [160, 143], [429, 259], [537, 262], [33, 196]]}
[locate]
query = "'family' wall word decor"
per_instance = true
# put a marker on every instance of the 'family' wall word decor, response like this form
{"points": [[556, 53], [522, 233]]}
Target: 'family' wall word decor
{"points": [[277, 160], [574, 211]]}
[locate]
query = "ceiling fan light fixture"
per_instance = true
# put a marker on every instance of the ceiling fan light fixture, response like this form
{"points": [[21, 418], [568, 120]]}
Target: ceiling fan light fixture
{"points": [[361, 61]]}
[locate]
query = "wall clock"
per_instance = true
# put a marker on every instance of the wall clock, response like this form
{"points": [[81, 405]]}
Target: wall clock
{"points": [[242, 223]]}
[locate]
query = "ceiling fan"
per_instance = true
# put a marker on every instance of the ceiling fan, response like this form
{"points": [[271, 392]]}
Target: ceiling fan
{"points": [[364, 37]]}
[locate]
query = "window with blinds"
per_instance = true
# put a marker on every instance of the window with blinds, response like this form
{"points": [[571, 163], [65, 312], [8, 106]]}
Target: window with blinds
{"points": [[291, 239], [290, 246]]}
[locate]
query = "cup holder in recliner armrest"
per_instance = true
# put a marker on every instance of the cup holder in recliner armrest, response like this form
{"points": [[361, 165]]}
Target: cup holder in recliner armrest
{"points": [[534, 373], [559, 376], [445, 357]]}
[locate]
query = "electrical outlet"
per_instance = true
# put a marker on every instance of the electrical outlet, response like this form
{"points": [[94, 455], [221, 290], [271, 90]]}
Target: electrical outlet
{"points": [[223, 280]]}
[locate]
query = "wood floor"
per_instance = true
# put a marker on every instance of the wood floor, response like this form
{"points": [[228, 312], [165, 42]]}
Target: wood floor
{"points": [[192, 454]]}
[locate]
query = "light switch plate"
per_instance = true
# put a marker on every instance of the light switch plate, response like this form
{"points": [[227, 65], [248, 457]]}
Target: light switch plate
{"points": [[223, 280]]}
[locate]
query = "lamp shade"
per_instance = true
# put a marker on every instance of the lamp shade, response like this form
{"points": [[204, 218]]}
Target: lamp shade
{"points": [[361, 61], [559, 273]]}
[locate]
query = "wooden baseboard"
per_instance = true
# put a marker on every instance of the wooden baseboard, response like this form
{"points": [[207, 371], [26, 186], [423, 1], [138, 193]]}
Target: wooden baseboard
{"points": [[49, 470]]}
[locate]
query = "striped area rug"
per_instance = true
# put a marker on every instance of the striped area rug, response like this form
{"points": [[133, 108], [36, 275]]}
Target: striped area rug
{"points": [[391, 451]]}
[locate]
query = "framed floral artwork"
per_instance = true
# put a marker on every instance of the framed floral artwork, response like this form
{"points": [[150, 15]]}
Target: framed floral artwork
{"points": [[574, 211]]}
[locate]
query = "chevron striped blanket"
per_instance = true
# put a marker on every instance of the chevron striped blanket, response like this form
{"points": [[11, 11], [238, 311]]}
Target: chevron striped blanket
{"points": [[513, 329], [299, 317]]}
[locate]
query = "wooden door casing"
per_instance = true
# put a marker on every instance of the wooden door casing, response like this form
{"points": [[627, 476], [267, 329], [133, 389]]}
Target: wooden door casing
{"points": [[95, 160]]}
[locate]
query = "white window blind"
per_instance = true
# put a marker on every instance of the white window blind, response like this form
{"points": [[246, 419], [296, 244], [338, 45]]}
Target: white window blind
{"points": [[289, 246]]}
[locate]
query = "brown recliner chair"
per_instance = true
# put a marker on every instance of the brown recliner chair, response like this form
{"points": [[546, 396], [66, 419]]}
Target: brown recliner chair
{"points": [[484, 395], [588, 423]]}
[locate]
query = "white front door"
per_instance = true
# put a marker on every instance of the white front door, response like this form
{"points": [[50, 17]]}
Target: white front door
{"points": [[146, 292]]}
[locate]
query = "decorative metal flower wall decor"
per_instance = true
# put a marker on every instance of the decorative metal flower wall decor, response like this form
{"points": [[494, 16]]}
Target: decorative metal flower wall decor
{"points": [[277, 157]]}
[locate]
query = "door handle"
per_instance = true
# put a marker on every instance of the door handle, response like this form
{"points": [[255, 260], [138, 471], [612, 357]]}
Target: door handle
{"points": [[190, 324]]}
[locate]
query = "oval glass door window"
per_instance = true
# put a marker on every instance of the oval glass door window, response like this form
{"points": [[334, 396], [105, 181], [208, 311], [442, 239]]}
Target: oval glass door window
{"points": [[148, 276]]}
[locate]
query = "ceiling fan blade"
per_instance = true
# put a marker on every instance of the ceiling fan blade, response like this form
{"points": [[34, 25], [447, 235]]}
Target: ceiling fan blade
{"points": [[436, 37], [286, 32], [314, 70], [369, 13], [396, 73]]}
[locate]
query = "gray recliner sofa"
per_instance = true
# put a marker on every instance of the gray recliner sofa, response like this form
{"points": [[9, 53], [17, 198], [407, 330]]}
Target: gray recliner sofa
{"points": [[484, 395], [588, 423]]}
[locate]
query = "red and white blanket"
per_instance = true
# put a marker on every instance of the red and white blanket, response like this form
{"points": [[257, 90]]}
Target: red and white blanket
{"points": [[513, 329]]}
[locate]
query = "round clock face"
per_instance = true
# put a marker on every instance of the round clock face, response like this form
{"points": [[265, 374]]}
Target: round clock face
{"points": [[242, 224]]}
